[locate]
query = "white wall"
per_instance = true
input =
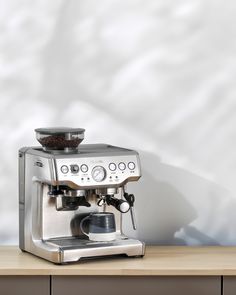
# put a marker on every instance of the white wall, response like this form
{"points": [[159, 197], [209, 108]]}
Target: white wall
{"points": [[156, 76]]}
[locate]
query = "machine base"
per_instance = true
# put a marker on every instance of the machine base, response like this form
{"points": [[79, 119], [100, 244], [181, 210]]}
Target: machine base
{"points": [[65, 250]]}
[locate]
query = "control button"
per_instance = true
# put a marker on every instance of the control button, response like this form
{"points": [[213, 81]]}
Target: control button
{"points": [[84, 168], [122, 166], [74, 168], [64, 169], [112, 166], [99, 173], [131, 165]]}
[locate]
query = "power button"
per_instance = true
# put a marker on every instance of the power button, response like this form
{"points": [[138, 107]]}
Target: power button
{"points": [[64, 169]]}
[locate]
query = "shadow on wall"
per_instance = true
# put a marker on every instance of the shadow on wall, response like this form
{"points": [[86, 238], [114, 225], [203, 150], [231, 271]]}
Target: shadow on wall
{"points": [[170, 206], [162, 211]]}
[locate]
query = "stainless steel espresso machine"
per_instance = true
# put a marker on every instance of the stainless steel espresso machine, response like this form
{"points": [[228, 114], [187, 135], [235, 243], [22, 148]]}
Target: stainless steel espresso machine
{"points": [[61, 183]]}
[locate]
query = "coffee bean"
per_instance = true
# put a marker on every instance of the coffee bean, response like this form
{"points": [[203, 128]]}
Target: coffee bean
{"points": [[59, 142]]}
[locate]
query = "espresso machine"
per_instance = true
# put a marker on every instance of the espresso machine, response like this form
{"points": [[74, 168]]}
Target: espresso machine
{"points": [[62, 182]]}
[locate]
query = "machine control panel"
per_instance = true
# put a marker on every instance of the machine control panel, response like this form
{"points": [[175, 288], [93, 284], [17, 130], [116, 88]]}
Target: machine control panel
{"points": [[98, 171]]}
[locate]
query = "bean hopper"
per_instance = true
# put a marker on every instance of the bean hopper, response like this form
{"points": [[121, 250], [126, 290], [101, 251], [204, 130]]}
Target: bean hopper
{"points": [[61, 182]]}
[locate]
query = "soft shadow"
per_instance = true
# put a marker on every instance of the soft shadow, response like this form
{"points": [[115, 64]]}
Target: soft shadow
{"points": [[161, 211], [200, 237], [172, 205]]}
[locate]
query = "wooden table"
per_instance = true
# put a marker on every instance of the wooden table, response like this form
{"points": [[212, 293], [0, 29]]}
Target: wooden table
{"points": [[163, 270]]}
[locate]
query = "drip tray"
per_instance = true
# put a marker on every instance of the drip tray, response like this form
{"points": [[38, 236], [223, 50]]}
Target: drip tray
{"points": [[78, 243], [72, 249]]}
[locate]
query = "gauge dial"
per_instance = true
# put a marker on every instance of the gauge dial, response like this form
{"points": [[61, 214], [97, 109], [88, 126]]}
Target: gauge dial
{"points": [[99, 173]]}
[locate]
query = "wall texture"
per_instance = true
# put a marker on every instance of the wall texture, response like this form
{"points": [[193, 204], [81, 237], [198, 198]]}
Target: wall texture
{"points": [[156, 76]]}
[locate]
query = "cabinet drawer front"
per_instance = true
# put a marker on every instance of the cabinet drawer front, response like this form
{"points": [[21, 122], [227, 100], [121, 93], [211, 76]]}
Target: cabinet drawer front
{"points": [[138, 285], [229, 285], [25, 285]]}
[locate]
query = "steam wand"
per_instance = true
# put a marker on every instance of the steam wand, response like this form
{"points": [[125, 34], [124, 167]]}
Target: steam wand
{"points": [[130, 199]]}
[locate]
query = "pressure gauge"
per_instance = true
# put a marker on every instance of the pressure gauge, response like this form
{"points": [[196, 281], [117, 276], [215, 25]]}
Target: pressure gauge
{"points": [[99, 173]]}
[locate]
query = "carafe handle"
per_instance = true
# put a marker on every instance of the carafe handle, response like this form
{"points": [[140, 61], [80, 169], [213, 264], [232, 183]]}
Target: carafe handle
{"points": [[82, 223]]}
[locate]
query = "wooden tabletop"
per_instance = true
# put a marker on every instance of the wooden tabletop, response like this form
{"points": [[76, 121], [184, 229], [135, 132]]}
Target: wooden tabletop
{"points": [[157, 261]]}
